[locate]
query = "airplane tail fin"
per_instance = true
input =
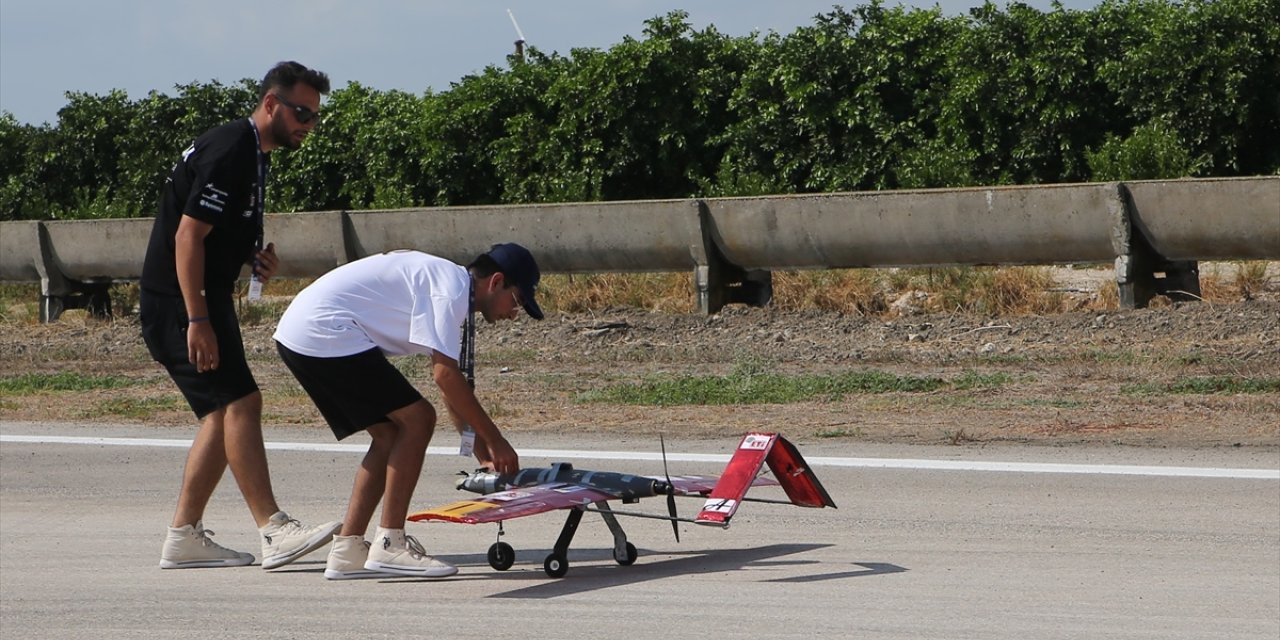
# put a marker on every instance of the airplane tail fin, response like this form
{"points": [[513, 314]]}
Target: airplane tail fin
{"points": [[796, 476], [788, 466]]}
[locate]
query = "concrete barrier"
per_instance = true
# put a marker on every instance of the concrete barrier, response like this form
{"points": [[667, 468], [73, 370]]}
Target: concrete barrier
{"points": [[660, 235], [308, 244], [1013, 225], [1153, 231], [98, 250], [1225, 219], [20, 259]]}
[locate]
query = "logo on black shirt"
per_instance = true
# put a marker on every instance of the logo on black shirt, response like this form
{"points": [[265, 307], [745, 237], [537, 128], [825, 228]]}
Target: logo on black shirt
{"points": [[213, 198]]}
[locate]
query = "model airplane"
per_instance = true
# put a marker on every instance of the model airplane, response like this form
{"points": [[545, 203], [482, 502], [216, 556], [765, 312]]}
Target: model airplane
{"points": [[533, 491]]}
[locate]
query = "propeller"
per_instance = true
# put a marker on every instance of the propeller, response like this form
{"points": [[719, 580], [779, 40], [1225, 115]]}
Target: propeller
{"points": [[671, 489]]}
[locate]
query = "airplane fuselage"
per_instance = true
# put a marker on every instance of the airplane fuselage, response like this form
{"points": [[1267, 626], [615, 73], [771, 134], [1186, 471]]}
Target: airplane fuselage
{"points": [[626, 486]]}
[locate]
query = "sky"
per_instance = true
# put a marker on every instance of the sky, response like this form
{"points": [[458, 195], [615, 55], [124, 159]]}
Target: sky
{"points": [[49, 47]]}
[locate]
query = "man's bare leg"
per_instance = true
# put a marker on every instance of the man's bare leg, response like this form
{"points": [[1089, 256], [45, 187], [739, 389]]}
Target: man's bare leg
{"points": [[397, 552], [414, 427], [247, 456], [371, 480], [187, 545], [206, 462]]}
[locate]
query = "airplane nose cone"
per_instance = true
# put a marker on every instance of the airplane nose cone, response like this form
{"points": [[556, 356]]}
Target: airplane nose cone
{"points": [[482, 482]]}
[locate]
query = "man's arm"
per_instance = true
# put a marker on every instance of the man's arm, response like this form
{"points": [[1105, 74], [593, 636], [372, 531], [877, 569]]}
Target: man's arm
{"points": [[463, 405], [202, 344], [479, 446], [460, 426]]}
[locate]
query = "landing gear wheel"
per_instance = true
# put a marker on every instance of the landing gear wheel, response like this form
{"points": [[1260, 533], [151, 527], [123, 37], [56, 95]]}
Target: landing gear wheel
{"points": [[556, 565], [501, 556], [632, 554]]}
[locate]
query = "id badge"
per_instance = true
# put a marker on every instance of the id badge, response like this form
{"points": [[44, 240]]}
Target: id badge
{"points": [[468, 444], [255, 287]]}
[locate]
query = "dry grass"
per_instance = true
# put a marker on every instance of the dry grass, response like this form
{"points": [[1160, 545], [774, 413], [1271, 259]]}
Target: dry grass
{"points": [[855, 291], [874, 292], [660, 292], [869, 292], [1251, 278], [1107, 298]]}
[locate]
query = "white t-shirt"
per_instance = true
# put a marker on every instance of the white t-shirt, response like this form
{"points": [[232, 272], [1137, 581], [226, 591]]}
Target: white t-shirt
{"points": [[403, 302]]}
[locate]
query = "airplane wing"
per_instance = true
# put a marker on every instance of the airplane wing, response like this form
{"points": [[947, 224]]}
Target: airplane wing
{"points": [[515, 503]]}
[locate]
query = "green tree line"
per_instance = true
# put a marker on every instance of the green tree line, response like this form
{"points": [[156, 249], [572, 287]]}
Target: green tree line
{"points": [[872, 97]]}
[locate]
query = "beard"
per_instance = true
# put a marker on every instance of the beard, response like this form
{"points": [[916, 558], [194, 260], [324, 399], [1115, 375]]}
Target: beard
{"points": [[280, 133]]}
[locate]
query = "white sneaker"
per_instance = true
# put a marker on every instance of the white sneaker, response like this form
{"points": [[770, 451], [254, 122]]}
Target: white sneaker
{"points": [[394, 552], [347, 557], [285, 539], [189, 546]]}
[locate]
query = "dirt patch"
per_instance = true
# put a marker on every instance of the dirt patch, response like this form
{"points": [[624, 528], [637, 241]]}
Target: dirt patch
{"points": [[1071, 378]]}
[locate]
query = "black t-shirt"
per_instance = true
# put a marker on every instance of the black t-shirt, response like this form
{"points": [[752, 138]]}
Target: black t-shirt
{"points": [[215, 181]]}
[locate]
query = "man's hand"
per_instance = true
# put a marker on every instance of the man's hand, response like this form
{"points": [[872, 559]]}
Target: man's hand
{"points": [[202, 346], [266, 262], [498, 456]]}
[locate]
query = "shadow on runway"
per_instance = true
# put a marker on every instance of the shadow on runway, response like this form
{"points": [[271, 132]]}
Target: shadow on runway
{"points": [[584, 577], [868, 569], [593, 569]]}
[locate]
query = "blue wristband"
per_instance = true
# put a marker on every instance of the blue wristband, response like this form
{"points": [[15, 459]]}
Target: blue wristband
{"points": [[200, 319]]}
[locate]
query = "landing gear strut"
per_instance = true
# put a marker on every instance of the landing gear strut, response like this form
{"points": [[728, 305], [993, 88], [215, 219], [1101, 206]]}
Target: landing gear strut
{"points": [[501, 555], [556, 563]]}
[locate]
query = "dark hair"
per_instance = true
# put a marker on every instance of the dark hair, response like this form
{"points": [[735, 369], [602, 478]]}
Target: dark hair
{"points": [[287, 74], [484, 266]]}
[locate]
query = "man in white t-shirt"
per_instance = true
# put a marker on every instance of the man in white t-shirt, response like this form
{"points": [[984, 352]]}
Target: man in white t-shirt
{"points": [[335, 337]]}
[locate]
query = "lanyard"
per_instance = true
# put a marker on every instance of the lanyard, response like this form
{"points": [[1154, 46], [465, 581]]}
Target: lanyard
{"points": [[259, 202], [468, 358]]}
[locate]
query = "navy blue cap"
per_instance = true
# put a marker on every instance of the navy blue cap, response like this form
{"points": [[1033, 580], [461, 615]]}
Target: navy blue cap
{"points": [[519, 268]]}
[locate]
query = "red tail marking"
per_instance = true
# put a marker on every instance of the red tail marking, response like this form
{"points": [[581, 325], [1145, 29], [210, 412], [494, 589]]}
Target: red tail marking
{"points": [[738, 474], [789, 469]]}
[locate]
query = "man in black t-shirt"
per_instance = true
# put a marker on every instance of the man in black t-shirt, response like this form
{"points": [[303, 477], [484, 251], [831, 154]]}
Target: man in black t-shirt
{"points": [[208, 228]]}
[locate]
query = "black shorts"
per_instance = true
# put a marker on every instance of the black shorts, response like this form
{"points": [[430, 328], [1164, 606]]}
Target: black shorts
{"points": [[164, 329], [352, 392]]}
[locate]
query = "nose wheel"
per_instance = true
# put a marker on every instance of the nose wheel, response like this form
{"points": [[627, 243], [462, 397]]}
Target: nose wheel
{"points": [[501, 556]]}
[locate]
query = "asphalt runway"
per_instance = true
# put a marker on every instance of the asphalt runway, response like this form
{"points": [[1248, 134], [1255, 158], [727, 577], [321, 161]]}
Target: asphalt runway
{"points": [[912, 552]]}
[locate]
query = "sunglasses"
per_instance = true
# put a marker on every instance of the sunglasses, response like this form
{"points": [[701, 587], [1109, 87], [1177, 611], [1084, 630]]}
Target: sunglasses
{"points": [[302, 114]]}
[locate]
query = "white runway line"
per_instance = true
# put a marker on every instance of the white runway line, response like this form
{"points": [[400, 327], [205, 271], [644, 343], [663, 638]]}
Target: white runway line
{"points": [[816, 461]]}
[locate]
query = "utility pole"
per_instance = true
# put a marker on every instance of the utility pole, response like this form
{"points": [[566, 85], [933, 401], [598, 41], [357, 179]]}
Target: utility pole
{"points": [[519, 36]]}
